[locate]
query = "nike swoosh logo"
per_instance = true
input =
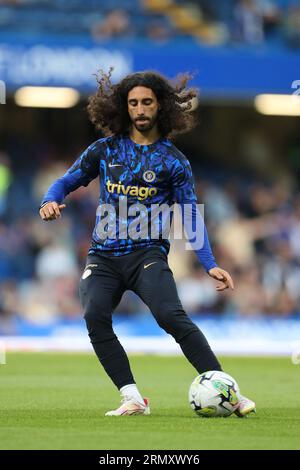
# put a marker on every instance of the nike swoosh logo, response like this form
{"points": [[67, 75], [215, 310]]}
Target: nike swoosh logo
{"points": [[147, 265], [111, 164]]}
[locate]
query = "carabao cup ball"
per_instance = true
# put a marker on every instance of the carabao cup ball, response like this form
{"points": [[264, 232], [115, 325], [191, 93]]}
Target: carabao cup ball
{"points": [[213, 394]]}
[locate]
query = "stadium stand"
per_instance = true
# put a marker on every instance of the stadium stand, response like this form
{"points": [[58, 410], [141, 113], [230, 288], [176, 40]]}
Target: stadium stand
{"points": [[253, 222], [219, 22]]}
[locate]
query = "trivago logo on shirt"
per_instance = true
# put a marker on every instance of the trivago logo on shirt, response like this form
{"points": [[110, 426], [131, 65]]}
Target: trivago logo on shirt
{"points": [[142, 192]]}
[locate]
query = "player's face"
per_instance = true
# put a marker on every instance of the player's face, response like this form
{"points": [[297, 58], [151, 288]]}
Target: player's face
{"points": [[142, 108]]}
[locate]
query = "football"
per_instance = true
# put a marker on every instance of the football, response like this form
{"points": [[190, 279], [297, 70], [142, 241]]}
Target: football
{"points": [[213, 394]]}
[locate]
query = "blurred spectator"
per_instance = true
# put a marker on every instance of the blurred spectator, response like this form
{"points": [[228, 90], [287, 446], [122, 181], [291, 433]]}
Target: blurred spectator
{"points": [[248, 22], [116, 24], [197, 293], [250, 298], [55, 261], [218, 205], [158, 31], [291, 26], [256, 150], [252, 21], [46, 174], [271, 16]]}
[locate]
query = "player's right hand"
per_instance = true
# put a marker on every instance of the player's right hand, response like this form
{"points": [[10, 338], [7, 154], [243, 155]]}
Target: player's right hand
{"points": [[51, 211]]}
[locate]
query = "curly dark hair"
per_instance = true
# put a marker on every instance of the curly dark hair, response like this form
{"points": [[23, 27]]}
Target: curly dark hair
{"points": [[108, 108]]}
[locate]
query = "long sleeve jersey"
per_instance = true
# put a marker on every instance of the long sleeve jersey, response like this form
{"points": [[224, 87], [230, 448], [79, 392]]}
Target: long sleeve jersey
{"points": [[141, 177]]}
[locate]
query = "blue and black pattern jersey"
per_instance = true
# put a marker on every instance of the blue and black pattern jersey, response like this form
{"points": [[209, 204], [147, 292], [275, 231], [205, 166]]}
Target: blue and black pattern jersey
{"points": [[154, 174]]}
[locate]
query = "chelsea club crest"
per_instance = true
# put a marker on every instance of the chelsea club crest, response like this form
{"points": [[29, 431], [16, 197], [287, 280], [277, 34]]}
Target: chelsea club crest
{"points": [[149, 176]]}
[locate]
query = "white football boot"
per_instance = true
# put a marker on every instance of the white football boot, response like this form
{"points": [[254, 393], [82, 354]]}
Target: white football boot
{"points": [[130, 407], [245, 406]]}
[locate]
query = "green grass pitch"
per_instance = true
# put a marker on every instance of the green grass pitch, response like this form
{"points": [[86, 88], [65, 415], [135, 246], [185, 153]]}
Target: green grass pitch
{"points": [[58, 401]]}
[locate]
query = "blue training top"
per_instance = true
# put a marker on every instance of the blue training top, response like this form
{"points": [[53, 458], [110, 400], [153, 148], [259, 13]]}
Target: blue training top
{"points": [[152, 174]]}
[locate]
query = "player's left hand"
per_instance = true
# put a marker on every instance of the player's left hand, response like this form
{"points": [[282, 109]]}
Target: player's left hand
{"points": [[222, 276]]}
